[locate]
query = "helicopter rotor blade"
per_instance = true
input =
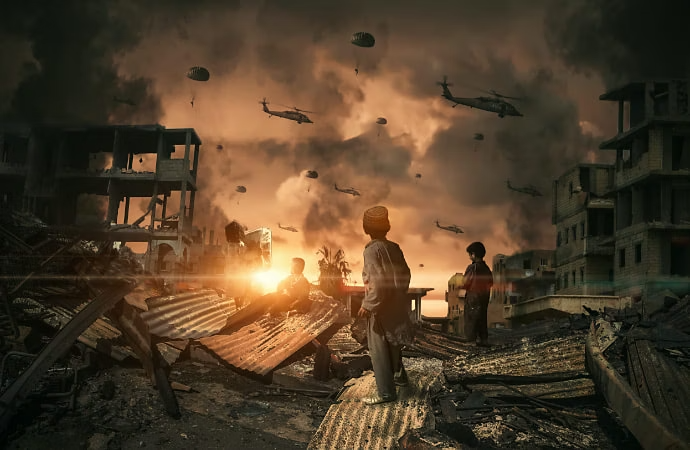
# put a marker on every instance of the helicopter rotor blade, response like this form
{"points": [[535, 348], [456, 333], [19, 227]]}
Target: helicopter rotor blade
{"points": [[497, 95]]}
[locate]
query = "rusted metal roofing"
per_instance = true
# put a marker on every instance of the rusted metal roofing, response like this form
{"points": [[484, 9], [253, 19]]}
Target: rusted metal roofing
{"points": [[101, 335], [529, 357], [342, 341], [189, 315], [262, 345], [351, 424]]}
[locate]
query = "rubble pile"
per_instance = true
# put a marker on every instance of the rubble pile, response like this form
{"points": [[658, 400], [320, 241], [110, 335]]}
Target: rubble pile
{"points": [[529, 391], [60, 289], [652, 356]]}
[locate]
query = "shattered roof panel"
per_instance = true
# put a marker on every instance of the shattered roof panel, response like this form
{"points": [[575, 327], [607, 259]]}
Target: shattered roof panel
{"points": [[262, 345], [189, 315], [352, 424], [101, 335]]}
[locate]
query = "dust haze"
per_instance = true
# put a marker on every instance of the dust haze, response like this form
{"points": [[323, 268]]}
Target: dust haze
{"points": [[64, 62]]}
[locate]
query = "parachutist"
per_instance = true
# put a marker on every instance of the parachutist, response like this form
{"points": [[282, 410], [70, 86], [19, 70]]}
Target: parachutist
{"points": [[192, 103], [356, 71]]}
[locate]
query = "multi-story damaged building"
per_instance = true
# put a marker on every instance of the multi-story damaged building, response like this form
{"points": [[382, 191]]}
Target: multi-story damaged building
{"points": [[651, 187], [54, 172], [584, 220], [455, 296], [523, 276]]}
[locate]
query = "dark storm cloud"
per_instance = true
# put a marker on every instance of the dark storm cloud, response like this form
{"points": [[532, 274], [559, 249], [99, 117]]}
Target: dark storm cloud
{"points": [[621, 40], [534, 149], [74, 47]]}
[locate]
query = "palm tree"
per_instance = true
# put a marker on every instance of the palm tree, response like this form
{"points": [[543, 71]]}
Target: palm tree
{"points": [[333, 271]]}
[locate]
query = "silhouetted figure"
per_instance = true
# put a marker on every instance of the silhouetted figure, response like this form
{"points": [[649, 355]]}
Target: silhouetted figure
{"points": [[477, 283], [386, 277], [293, 292]]}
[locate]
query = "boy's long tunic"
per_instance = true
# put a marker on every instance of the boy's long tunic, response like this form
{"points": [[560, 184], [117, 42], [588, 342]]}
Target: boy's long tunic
{"points": [[386, 277], [477, 283]]}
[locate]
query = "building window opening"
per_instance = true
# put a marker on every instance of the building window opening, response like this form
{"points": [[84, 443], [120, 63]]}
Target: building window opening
{"points": [[611, 275], [680, 154], [566, 233], [682, 97], [680, 259], [570, 189], [661, 101], [582, 230], [582, 275], [638, 253], [565, 281], [574, 231], [558, 239], [574, 279], [527, 264], [543, 262], [621, 257], [680, 206]]}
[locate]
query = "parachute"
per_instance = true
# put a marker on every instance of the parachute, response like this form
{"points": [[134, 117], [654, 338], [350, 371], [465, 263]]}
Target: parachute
{"points": [[381, 121], [477, 137], [363, 39], [198, 73], [241, 190], [312, 174]]}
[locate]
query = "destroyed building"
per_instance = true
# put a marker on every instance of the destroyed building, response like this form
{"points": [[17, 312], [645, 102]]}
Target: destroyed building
{"points": [[54, 172], [652, 197], [354, 295], [455, 295], [523, 276], [584, 219]]}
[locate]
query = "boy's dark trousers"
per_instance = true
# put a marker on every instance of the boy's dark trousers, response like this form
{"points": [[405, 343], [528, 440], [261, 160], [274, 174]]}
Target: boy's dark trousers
{"points": [[476, 307]]}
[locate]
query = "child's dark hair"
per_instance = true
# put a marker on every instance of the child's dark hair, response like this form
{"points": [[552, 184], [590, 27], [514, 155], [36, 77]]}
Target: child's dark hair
{"points": [[477, 248]]}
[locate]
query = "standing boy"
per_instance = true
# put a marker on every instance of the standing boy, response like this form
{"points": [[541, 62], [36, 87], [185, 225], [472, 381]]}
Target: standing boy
{"points": [[386, 278], [477, 284]]}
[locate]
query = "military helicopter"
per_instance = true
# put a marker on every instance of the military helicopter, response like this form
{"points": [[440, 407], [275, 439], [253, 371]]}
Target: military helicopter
{"points": [[295, 115], [529, 189], [495, 103], [352, 191], [452, 228], [293, 229]]}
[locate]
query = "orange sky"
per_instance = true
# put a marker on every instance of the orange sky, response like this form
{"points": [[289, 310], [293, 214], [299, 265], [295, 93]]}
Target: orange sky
{"points": [[68, 63], [463, 181]]}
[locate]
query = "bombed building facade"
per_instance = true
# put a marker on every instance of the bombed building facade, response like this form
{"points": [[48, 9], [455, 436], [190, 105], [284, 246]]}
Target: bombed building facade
{"points": [[58, 173], [625, 229], [523, 276], [584, 219]]}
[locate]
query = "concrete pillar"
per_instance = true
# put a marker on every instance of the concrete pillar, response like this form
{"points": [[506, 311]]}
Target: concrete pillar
{"points": [[183, 188], [648, 100], [114, 194], [164, 211], [159, 156], [126, 219]]}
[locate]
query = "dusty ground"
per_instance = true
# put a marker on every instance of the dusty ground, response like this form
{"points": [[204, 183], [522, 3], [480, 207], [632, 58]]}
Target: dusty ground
{"points": [[226, 410]]}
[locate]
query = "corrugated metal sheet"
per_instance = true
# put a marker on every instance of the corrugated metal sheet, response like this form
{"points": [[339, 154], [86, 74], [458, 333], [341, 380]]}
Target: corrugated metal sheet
{"points": [[342, 341], [189, 315], [351, 424], [529, 357], [260, 346], [101, 335]]}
